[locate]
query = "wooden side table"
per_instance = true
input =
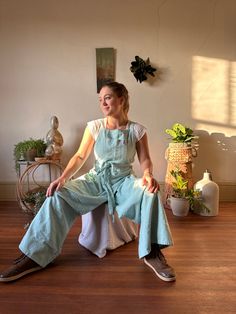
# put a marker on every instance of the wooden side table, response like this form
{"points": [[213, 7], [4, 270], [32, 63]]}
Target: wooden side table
{"points": [[28, 184]]}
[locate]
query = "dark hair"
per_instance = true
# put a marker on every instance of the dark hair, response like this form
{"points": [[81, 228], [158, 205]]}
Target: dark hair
{"points": [[121, 91]]}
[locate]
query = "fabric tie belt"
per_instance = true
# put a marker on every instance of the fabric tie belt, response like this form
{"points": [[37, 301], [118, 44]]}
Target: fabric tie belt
{"points": [[105, 174]]}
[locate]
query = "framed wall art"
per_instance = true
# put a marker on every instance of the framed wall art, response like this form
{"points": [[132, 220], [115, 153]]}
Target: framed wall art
{"points": [[105, 66]]}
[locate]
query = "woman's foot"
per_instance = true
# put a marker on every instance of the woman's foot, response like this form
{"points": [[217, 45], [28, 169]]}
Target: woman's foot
{"points": [[157, 262], [21, 267]]}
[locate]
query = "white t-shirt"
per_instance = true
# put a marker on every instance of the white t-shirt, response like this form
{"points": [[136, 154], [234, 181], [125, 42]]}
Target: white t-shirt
{"points": [[95, 126]]}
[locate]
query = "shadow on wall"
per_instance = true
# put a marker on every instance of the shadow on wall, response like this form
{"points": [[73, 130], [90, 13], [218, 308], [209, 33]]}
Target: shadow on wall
{"points": [[217, 153], [160, 76]]}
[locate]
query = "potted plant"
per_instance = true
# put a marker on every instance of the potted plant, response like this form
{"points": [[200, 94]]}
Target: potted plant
{"points": [[179, 201], [28, 150], [179, 154], [31, 202], [181, 134], [183, 198], [34, 200]]}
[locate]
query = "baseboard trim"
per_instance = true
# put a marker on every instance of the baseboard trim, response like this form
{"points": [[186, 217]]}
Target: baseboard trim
{"points": [[227, 191], [8, 191]]}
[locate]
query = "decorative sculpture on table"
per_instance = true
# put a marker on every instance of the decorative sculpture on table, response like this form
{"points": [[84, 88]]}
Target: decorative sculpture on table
{"points": [[54, 140]]}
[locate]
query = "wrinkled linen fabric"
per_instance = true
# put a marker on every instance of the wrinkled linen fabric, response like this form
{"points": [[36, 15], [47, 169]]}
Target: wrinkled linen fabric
{"points": [[110, 181]]}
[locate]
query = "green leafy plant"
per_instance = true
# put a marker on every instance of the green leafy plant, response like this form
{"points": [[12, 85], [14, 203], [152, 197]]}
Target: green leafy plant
{"points": [[180, 185], [35, 199], [181, 133], [21, 149], [141, 68]]}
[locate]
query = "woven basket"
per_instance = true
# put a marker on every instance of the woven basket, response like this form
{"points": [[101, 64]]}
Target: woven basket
{"points": [[179, 152], [179, 156]]}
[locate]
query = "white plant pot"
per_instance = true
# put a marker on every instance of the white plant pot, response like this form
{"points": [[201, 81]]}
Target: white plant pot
{"points": [[179, 206]]}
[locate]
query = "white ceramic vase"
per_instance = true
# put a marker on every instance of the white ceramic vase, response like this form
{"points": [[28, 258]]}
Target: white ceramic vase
{"points": [[209, 193]]}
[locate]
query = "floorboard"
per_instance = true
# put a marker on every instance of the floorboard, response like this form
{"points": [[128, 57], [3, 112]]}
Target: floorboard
{"points": [[204, 257]]}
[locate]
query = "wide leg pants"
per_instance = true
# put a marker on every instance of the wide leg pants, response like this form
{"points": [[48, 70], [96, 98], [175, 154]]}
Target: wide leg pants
{"points": [[45, 236]]}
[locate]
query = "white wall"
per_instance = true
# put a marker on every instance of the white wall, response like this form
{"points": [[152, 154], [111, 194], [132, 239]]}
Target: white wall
{"points": [[48, 67]]}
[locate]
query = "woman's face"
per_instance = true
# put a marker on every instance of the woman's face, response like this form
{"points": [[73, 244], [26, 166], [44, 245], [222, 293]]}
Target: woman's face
{"points": [[110, 103]]}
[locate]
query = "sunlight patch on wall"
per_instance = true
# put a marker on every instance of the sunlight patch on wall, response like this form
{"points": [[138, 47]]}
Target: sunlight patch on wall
{"points": [[214, 94], [233, 93]]}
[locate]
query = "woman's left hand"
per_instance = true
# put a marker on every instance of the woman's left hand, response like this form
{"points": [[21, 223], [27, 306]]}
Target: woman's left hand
{"points": [[151, 183]]}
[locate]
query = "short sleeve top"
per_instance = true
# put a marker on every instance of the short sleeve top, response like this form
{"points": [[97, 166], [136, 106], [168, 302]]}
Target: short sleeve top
{"points": [[95, 126]]}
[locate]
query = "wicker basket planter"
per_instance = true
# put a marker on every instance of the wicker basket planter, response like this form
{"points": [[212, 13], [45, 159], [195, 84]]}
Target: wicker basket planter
{"points": [[178, 155]]}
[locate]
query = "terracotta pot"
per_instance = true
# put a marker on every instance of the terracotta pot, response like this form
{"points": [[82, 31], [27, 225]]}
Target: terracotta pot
{"points": [[30, 154]]}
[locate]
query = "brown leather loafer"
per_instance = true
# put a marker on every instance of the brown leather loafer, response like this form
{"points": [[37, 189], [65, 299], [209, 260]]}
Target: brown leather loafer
{"points": [[21, 267], [158, 264]]}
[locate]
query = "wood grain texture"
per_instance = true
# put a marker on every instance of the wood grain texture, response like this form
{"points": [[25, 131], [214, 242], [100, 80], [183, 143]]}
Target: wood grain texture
{"points": [[204, 257]]}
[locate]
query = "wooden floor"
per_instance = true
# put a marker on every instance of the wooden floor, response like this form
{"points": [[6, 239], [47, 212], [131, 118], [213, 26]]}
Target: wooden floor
{"points": [[204, 257]]}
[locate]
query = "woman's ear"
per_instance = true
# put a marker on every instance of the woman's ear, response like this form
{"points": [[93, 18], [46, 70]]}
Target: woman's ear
{"points": [[122, 100]]}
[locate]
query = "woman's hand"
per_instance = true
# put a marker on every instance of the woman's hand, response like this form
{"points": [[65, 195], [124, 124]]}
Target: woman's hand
{"points": [[146, 165], [150, 182], [55, 186]]}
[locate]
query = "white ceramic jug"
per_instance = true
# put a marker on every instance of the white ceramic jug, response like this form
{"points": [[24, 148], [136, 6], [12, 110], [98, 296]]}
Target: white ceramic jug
{"points": [[209, 193]]}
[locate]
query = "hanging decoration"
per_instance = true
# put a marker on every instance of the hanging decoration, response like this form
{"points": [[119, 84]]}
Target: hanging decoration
{"points": [[141, 68]]}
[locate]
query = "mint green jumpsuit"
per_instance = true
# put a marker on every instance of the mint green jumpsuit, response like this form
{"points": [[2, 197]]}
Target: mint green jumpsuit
{"points": [[110, 180]]}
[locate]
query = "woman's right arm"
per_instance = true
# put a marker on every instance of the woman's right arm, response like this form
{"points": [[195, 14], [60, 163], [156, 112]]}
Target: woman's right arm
{"points": [[75, 163]]}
